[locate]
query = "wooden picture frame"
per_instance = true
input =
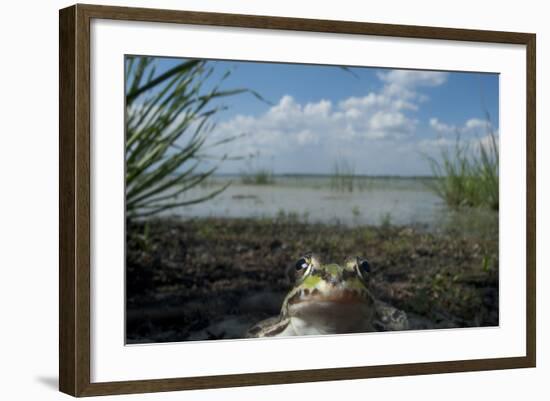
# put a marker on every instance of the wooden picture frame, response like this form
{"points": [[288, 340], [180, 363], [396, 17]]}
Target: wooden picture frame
{"points": [[74, 204]]}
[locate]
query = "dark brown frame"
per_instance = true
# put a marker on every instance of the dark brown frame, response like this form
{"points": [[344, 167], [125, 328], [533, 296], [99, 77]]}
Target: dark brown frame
{"points": [[74, 199]]}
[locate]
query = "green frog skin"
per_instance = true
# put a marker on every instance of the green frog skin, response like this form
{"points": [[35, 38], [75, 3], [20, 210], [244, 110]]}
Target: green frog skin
{"points": [[330, 299]]}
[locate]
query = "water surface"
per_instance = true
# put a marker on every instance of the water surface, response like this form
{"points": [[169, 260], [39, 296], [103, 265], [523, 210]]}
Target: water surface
{"points": [[320, 199]]}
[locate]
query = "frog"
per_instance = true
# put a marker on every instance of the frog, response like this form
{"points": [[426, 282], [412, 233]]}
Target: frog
{"points": [[330, 299]]}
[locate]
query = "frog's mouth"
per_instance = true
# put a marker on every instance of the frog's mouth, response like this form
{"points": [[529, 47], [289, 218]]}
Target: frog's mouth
{"points": [[336, 312], [342, 296]]}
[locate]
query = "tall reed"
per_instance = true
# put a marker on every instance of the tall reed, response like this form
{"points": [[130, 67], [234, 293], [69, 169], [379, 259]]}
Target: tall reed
{"points": [[168, 123], [343, 176], [467, 174], [260, 176]]}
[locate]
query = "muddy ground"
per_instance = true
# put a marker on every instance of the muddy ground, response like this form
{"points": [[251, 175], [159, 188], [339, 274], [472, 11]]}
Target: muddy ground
{"points": [[213, 278]]}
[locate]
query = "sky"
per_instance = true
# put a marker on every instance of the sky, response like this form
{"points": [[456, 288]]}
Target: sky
{"points": [[379, 121]]}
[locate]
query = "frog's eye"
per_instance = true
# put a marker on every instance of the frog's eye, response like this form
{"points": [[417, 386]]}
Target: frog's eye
{"points": [[301, 264], [363, 268]]}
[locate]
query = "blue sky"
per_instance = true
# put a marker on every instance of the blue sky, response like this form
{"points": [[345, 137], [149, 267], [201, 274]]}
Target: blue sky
{"points": [[381, 121]]}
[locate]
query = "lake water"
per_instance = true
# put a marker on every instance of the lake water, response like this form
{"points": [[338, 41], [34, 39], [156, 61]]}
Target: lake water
{"points": [[373, 201]]}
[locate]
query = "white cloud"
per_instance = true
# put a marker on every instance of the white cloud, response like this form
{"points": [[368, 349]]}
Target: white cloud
{"points": [[306, 136], [488, 142], [477, 124], [433, 147], [289, 124], [475, 133], [375, 116], [413, 78], [404, 84], [473, 126], [428, 146], [442, 128], [326, 130]]}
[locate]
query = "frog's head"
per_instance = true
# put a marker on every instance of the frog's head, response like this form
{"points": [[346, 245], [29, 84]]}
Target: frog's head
{"points": [[329, 292], [340, 283]]}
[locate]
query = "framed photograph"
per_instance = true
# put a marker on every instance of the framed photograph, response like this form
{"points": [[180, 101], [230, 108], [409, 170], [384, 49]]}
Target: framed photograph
{"points": [[250, 200]]}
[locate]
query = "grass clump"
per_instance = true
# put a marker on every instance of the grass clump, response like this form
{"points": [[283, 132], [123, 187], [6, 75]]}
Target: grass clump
{"points": [[343, 176], [169, 133], [467, 175], [258, 177]]}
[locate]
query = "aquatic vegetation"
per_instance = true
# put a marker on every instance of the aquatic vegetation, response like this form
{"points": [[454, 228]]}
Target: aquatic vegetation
{"points": [[385, 220], [478, 222], [168, 127], [368, 235], [143, 240], [343, 176], [258, 177], [467, 174], [287, 217], [255, 173]]}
